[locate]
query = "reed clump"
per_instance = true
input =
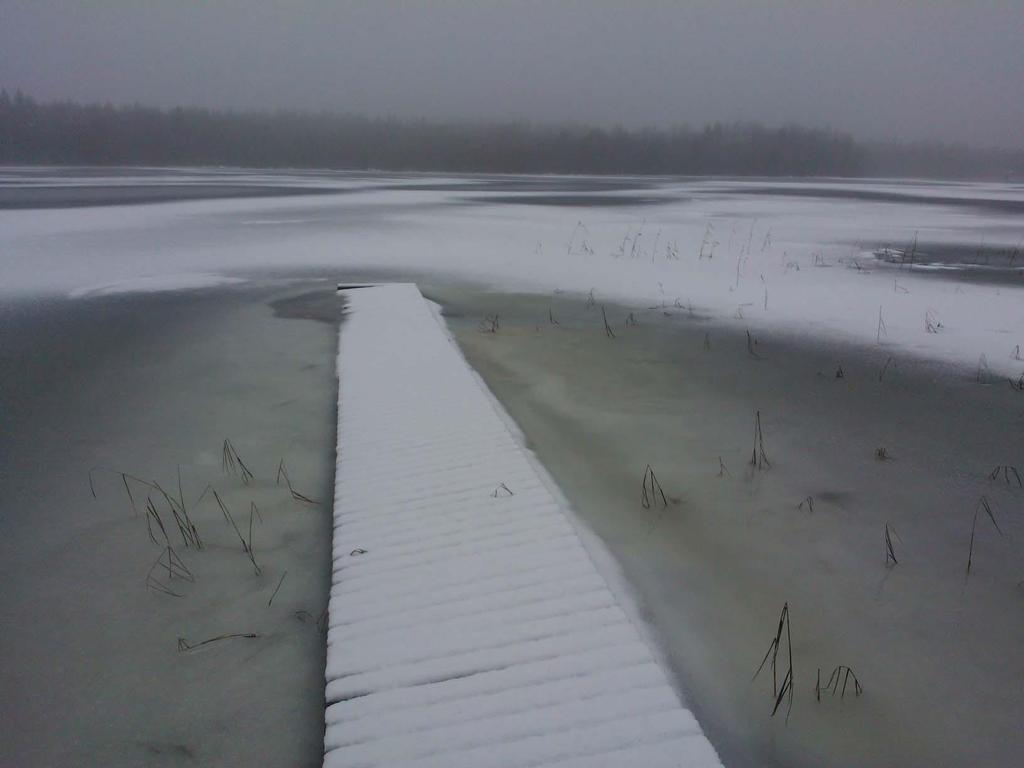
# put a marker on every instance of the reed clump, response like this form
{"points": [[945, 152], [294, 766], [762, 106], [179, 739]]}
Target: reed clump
{"points": [[783, 692], [175, 567], [231, 462], [651, 491], [277, 588], [840, 674], [282, 473], [1008, 472], [607, 328], [759, 458], [247, 546], [890, 552], [184, 645], [981, 506]]}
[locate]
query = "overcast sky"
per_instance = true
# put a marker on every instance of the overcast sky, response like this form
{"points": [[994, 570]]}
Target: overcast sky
{"points": [[951, 70]]}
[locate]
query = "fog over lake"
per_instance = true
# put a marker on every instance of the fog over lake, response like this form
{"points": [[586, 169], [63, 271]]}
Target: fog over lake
{"points": [[946, 71]]}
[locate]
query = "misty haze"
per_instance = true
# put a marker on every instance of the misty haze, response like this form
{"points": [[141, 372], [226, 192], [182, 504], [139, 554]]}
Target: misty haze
{"points": [[511, 384]]}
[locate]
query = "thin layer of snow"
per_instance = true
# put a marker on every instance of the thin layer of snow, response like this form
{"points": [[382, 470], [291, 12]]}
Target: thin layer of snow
{"points": [[747, 253], [468, 625], [158, 284]]}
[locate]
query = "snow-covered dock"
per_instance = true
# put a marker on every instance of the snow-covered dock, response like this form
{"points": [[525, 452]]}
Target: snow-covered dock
{"points": [[468, 624]]}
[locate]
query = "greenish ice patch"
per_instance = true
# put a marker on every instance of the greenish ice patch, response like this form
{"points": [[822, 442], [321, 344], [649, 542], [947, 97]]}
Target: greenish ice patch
{"points": [[111, 654], [862, 448]]}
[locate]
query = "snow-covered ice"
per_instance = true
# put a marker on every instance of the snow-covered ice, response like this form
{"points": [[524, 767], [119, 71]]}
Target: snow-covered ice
{"points": [[771, 256], [468, 624], [188, 281]]}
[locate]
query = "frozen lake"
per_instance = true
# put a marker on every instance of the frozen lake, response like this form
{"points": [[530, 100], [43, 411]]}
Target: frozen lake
{"points": [[857, 259], [915, 289]]}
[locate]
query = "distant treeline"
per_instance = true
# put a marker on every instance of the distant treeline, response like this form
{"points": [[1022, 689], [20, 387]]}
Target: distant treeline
{"points": [[70, 133]]}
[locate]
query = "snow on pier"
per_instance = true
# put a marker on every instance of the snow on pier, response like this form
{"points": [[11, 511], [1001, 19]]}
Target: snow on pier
{"points": [[468, 624]]}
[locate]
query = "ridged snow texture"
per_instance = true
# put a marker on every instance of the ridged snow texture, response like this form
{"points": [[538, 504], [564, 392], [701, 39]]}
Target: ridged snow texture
{"points": [[474, 630]]}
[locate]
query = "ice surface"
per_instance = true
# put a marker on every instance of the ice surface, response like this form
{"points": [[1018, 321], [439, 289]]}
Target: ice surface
{"points": [[782, 256], [931, 646], [157, 284], [468, 624], [91, 673]]}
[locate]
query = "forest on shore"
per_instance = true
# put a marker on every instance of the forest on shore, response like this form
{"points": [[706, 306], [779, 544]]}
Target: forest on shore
{"points": [[67, 133]]}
